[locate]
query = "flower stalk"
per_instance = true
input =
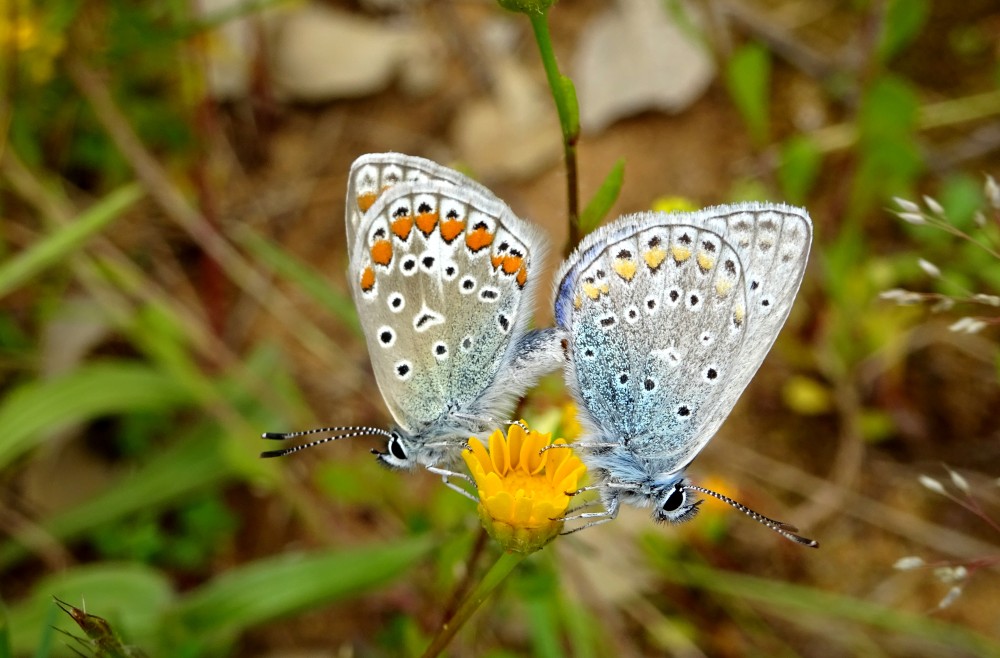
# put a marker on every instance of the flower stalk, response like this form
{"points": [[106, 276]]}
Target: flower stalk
{"points": [[502, 568], [564, 94]]}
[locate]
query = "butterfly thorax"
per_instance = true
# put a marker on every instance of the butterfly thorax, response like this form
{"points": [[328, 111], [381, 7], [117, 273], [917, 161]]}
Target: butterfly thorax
{"points": [[642, 483], [434, 444]]}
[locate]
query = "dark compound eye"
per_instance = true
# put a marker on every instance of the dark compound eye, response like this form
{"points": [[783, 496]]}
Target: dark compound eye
{"points": [[673, 501], [396, 448]]}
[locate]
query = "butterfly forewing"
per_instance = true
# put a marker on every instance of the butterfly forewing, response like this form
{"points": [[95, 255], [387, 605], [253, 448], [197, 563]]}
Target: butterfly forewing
{"points": [[373, 174], [439, 276]]}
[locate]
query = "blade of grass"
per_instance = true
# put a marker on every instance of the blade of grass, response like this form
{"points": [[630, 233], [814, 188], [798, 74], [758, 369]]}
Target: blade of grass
{"points": [[283, 585], [5, 649], [61, 243], [46, 634], [827, 605], [340, 305], [37, 408]]}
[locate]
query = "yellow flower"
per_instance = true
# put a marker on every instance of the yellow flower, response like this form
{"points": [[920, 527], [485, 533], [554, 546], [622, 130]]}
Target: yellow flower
{"points": [[673, 203], [571, 428], [521, 489]]}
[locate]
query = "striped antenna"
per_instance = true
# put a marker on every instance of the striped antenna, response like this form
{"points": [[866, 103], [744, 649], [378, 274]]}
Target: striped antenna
{"points": [[783, 529], [338, 433]]}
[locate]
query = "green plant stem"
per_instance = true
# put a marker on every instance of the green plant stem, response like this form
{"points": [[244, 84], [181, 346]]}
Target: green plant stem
{"points": [[496, 575], [462, 587], [568, 119]]}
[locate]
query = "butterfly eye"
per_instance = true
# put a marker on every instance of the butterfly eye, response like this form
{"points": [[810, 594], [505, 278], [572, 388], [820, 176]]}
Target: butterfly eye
{"points": [[396, 448], [673, 501]]}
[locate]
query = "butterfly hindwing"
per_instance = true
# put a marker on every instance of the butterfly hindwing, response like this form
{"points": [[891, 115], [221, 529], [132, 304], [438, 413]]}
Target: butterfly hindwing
{"points": [[441, 277], [669, 317]]}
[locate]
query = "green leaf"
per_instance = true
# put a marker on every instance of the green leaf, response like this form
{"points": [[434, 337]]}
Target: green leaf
{"points": [[904, 19], [37, 408], [61, 243], [890, 108], [800, 165], [889, 157], [961, 195], [5, 648], [283, 585], [605, 197], [748, 78]]}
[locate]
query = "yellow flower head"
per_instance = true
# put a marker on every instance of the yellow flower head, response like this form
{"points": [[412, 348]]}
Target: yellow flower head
{"points": [[571, 428], [521, 489], [673, 204]]}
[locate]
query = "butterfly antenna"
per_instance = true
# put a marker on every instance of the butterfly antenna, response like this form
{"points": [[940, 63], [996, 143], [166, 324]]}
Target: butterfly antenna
{"points": [[785, 530], [338, 433]]}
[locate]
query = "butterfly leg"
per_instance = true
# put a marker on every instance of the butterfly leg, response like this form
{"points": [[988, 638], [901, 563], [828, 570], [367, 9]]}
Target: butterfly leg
{"points": [[597, 518], [576, 508], [446, 476], [579, 445]]}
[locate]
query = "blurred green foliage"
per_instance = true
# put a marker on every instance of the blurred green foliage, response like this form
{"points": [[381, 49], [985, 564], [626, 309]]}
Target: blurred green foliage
{"points": [[172, 407], [748, 77]]}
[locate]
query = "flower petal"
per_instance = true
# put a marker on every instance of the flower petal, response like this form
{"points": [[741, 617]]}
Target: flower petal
{"points": [[501, 506], [515, 439], [498, 452]]}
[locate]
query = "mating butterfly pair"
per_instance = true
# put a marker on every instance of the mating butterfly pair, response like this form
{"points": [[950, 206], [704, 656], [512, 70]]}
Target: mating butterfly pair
{"points": [[662, 319]]}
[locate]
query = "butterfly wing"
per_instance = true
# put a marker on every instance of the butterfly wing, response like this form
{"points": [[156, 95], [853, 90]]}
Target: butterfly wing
{"points": [[670, 316], [442, 277], [374, 173]]}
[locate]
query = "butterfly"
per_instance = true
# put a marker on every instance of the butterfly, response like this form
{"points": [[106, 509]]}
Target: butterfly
{"points": [[667, 317], [443, 275]]}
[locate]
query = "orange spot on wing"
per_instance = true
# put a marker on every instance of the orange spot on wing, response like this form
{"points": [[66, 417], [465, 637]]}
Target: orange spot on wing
{"points": [[496, 260], [401, 227], [367, 279], [451, 229], [512, 264], [382, 252], [366, 200], [478, 239], [522, 276], [426, 221]]}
